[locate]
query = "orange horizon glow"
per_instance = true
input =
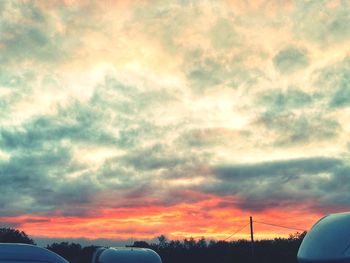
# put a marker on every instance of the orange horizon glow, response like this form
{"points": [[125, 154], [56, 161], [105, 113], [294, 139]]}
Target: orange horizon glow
{"points": [[202, 219]]}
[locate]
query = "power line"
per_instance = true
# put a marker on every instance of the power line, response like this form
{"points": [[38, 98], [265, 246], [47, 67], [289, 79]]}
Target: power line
{"points": [[269, 224], [234, 233]]}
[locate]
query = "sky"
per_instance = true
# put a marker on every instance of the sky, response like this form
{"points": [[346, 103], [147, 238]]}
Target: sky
{"points": [[123, 120]]}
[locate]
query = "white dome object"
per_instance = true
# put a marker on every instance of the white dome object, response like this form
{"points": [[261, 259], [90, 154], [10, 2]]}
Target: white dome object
{"points": [[126, 255], [327, 241], [27, 253]]}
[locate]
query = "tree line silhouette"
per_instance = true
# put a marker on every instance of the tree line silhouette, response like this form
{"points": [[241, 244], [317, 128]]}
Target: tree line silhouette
{"points": [[184, 251]]}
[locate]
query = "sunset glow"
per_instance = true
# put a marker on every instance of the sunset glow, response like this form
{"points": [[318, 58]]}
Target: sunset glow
{"points": [[202, 219], [126, 120]]}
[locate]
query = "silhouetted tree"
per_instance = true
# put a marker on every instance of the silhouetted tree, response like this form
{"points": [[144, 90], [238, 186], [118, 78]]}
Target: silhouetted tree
{"points": [[189, 250], [202, 243], [297, 236], [11, 235], [141, 244], [70, 251], [162, 241], [189, 243], [86, 255], [73, 252]]}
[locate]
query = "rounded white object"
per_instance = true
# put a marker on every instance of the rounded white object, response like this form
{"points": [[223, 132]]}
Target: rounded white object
{"points": [[126, 255], [24, 253], [327, 241]]}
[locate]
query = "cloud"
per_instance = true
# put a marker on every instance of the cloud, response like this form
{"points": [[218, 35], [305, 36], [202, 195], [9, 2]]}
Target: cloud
{"points": [[290, 60], [223, 34], [75, 123], [280, 168], [122, 116], [296, 117], [152, 158], [44, 165], [49, 159], [332, 82], [293, 129], [14, 86], [282, 184], [25, 35], [210, 71], [285, 100], [38, 177], [322, 22]]}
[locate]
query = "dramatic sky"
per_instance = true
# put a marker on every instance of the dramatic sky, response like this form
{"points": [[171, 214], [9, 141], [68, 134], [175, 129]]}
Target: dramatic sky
{"points": [[131, 119]]}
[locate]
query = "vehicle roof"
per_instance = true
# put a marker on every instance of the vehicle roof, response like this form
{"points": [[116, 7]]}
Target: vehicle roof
{"points": [[25, 252], [327, 240], [126, 255]]}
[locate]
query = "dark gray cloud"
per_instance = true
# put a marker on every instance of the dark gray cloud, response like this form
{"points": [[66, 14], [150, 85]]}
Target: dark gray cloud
{"points": [[27, 37], [76, 123], [91, 122], [39, 176], [290, 60], [285, 100], [45, 169], [205, 70], [133, 111], [332, 84], [137, 177], [35, 181], [155, 157], [281, 168], [30, 32], [284, 184], [293, 128]]}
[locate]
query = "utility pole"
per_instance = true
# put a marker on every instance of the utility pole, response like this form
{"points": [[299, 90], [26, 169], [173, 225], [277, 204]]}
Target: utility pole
{"points": [[252, 237]]}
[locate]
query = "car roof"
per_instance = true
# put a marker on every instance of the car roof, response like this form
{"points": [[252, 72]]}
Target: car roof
{"points": [[328, 240], [27, 253], [126, 255]]}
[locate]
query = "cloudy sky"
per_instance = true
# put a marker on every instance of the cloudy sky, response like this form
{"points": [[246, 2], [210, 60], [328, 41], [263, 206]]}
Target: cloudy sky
{"points": [[131, 119]]}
